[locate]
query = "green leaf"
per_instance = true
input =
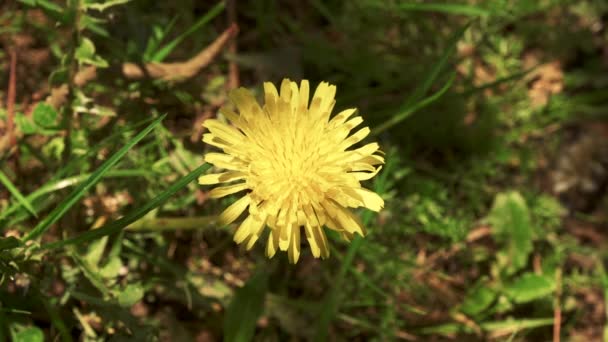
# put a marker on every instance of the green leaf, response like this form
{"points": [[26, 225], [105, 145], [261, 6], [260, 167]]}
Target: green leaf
{"points": [[245, 308], [111, 269], [161, 54], [132, 294], [85, 54], [25, 124], [45, 115], [29, 334], [95, 251], [529, 287], [16, 193], [510, 220], [132, 216], [478, 299], [81, 190]]}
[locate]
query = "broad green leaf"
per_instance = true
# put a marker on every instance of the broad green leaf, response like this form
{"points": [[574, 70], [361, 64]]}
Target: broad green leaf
{"points": [[81, 190], [95, 251], [90, 272], [16, 193], [245, 309], [25, 124], [530, 287], [85, 54], [510, 220], [45, 115], [478, 299], [86, 50], [111, 269], [29, 334], [130, 295]]}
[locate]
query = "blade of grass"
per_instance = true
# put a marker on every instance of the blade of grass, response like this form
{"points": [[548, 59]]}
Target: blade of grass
{"points": [[506, 326], [161, 54], [132, 216], [158, 35], [410, 105], [411, 110], [16, 193], [450, 8], [601, 271], [56, 319], [498, 82], [75, 163], [73, 197], [68, 182], [464, 9], [437, 68], [331, 303]]}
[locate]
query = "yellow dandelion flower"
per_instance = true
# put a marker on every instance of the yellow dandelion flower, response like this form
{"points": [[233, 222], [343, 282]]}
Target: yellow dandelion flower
{"points": [[295, 165]]}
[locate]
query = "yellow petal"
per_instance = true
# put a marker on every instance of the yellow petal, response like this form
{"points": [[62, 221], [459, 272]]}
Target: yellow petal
{"points": [[271, 98], [224, 131], [223, 177], [345, 197], [304, 93], [371, 200], [257, 227], [245, 102], [231, 116], [341, 117], [347, 236], [244, 230], [285, 94], [273, 243], [234, 211], [224, 161], [317, 241], [285, 237], [213, 140], [346, 220], [294, 247], [366, 175], [355, 138], [227, 190]]}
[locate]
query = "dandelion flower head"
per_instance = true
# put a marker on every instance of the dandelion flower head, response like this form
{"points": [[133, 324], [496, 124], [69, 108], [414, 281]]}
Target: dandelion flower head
{"points": [[296, 165]]}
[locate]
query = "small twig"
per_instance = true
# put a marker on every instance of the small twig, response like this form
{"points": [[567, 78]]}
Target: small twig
{"points": [[233, 68], [181, 70]]}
